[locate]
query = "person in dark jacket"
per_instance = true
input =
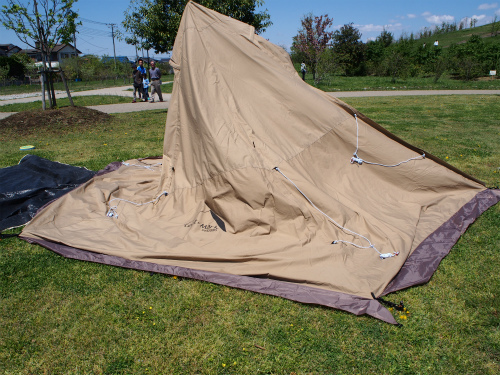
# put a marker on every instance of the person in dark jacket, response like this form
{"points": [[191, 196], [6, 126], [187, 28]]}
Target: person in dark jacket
{"points": [[138, 88]]}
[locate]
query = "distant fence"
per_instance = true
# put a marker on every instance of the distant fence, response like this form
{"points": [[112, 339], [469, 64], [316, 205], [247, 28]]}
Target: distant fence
{"points": [[14, 82]]}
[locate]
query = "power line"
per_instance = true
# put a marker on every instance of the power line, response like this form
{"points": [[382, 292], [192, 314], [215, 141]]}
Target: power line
{"points": [[96, 22], [90, 31], [86, 41]]}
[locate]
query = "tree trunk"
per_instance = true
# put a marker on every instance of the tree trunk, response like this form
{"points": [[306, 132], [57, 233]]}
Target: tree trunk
{"points": [[42, 81], [66, 86], [44, 57], [47, 83], [45, 73], [51, 83]]}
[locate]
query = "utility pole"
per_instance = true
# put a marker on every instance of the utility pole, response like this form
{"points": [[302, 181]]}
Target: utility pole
{"points": [[113, 36], [76, 57]]}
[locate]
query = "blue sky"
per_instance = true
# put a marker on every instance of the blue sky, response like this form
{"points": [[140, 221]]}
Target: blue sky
{"points": [[369, 16]]}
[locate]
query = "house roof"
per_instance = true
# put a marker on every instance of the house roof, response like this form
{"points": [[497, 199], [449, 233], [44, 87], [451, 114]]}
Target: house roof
{"points": [[30, 50], [57, 48], [6, 48]]}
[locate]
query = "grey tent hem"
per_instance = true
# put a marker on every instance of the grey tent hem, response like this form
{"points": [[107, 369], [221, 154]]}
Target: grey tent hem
{"points": [[299, 293], [418, 268], [425, 259]]}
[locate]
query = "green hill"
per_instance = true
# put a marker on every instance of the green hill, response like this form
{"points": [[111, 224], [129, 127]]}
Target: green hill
{"points": [[461, 36]]}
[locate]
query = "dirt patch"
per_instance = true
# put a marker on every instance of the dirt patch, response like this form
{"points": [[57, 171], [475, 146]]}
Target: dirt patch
{"points": [[489, 78], [63, 120]]}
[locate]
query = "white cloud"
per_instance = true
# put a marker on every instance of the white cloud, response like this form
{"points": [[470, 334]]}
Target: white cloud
{"points": [[439, 19], [497, 12], [395, 26], [426, 14], [479, 18], [486, 6], [370, 28], [378, 28], [411, 15]]}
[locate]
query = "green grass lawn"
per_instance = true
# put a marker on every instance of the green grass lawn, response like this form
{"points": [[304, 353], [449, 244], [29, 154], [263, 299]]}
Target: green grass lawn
{"points": [[81, 101], [64, 316], [332, 83]]}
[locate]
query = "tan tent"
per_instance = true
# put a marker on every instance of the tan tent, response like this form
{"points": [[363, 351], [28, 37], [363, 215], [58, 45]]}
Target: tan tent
{"points": [[260, 174]]}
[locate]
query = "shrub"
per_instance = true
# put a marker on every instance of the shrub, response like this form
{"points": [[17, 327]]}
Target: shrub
{"points": [[16, 68]]}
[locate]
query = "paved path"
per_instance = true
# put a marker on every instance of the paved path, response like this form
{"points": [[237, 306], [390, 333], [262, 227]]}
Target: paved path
{"points": [[143, 106], [133, 107], [112, 91], [108, 108]]}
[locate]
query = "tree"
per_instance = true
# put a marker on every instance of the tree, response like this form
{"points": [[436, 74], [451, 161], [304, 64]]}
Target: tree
{"points": [[14, 68], [395, 64], [157, 21], [429, 59], [41, 24], [375, 50], [312, 40], [468, 60], [495, 26], [349, 49], [385, 38]]}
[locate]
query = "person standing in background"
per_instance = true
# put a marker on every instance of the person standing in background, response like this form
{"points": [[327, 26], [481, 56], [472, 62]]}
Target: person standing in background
{"points": [[137, 77], [144, 73], [155, 75], [303, 71]]}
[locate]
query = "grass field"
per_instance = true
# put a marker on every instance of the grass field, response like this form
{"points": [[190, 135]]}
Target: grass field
{"points": [[332, 83], [81, 101], [64, 316]]}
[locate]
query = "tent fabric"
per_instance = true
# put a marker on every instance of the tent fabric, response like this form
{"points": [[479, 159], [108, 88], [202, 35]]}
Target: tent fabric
{"points": [[418, 268], [34, 182], [217, 204]]}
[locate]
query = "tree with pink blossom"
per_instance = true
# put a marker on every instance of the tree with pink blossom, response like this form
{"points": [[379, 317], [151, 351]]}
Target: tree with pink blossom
{"points": [[312, 39]]}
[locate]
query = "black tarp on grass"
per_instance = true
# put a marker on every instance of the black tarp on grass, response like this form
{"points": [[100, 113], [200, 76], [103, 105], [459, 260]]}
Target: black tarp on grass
{"points": [[34, 182]]}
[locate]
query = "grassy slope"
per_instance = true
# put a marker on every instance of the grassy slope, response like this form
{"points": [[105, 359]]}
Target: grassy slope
{"points": [[461, 36], [64, 316]]}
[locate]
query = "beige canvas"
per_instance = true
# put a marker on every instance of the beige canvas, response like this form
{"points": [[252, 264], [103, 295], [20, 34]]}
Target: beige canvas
{"points": [[244, 133]]}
